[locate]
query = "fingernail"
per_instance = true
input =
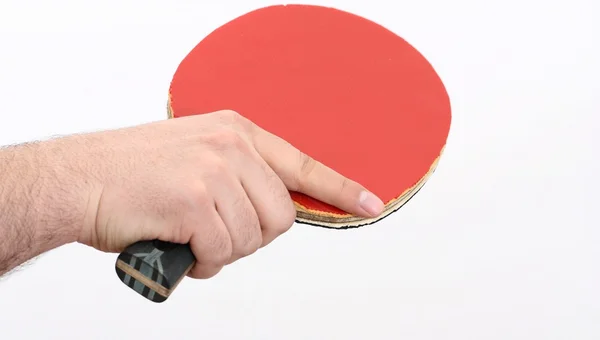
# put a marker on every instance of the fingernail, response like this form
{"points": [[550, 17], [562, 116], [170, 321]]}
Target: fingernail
{"points": [[370, 203]]}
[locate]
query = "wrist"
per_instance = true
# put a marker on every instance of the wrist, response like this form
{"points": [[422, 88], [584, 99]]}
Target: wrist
{"points": [[45, 195]]}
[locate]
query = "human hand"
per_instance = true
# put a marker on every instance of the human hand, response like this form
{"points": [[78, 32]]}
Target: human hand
{"points": [[216, 181]]}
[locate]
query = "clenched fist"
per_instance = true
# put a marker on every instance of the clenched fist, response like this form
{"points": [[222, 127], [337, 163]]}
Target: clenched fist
{"points": [[216, 181]]}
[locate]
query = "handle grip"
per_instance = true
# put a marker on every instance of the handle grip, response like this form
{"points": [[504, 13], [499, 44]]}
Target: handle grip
{"points": [[154, 268]]}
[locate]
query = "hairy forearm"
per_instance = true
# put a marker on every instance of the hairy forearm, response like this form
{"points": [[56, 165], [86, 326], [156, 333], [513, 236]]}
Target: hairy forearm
{"points": [[40, 208]]}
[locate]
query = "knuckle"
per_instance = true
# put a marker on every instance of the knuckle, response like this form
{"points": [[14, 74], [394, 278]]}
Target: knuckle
{"points": [[198, 193], [226, 139], [250, 237], [252, 245], [284, 207], [182, 232], [284, 217], [222, 138], [230, 116], [221, 251], [234, 119], [307, 165], [344, 184], [195, 198], [214, 167]]}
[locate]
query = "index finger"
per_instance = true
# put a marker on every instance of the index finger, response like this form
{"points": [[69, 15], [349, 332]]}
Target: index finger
{"points": [[302, 173]]}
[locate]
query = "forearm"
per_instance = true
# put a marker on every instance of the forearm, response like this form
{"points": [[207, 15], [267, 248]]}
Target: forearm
{"points": [[40, 208]]}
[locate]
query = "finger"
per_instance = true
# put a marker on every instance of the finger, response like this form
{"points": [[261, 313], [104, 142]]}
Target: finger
{"points": [[304, 174], [269, 197], [238, 214], [210, 244]]}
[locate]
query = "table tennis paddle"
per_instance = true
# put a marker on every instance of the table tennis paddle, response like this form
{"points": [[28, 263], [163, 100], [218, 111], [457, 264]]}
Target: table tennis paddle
{"points": [[341, 88]]}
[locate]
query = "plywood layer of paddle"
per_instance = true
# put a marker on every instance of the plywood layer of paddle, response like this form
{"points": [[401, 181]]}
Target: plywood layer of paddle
{"points": [[339, 87]]}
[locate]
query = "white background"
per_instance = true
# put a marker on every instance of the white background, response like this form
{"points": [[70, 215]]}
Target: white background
{"points": [[502, 243]]}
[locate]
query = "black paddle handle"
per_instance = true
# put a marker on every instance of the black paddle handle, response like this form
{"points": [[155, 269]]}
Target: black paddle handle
{"points": [[153, 269]]}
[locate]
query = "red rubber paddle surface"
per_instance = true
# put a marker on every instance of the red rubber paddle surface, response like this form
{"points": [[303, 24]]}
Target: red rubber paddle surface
{"points": [[341, 88]]}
